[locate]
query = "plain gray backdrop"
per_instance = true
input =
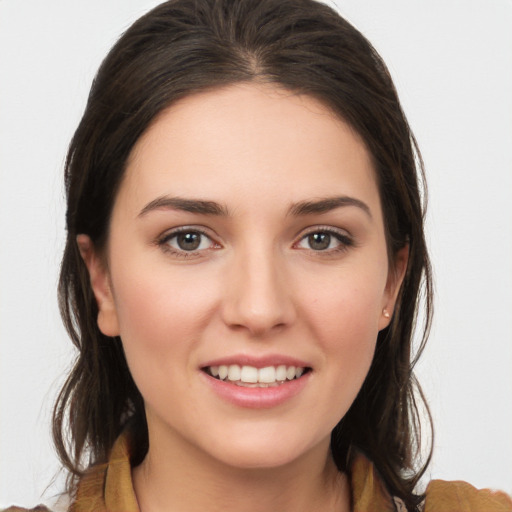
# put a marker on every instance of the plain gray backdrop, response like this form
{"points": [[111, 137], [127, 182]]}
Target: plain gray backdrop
{"points": [[452, 64]]}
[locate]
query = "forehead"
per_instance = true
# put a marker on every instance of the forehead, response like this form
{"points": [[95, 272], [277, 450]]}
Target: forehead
{"points": [[249, 139]]}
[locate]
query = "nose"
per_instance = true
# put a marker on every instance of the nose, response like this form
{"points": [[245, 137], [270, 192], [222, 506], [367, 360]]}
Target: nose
{"points": [[258, 296]]}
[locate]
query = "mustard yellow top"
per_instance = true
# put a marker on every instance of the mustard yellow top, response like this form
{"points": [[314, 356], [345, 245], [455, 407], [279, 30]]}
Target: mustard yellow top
{"points": [[108, 488]]}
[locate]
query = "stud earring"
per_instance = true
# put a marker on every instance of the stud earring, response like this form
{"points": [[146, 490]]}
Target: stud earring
{"points": [[385, 312]]}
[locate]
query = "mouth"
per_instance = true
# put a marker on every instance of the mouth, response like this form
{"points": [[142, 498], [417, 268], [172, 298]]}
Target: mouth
{"points": [[252, 377]]}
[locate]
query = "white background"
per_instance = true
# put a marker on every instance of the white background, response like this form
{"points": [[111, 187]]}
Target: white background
{"points": [[452, 63]]}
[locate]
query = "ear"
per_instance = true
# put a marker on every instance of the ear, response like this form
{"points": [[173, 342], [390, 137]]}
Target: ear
{"points": [[396, 276], [101, 286]]}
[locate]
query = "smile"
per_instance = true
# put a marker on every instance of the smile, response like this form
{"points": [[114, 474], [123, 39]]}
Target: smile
{"points": [[250, 376]]}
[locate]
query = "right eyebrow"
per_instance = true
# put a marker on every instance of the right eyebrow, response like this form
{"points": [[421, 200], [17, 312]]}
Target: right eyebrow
{"points": [[187, 205], [328, 204]]}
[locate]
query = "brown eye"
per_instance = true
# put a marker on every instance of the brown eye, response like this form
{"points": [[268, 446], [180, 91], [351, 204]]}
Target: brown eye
{"points": [[325, 240], [189, 241], [319, 241]]}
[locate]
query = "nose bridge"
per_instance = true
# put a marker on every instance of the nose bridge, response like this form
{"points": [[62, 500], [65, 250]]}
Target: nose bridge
{"points": [[258, 298]]}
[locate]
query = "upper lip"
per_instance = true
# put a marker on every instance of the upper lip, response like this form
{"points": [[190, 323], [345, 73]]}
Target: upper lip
{"points": [[257, 361]]}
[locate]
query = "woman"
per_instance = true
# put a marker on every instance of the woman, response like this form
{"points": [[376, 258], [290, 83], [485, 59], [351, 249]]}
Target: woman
{"points": [[244, 258]]}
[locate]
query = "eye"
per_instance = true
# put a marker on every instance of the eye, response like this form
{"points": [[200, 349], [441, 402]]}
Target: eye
{"points": [[186, 240], [324, 240]]}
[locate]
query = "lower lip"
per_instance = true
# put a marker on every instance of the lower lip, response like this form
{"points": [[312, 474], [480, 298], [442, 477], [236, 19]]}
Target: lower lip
{"points": [[257, 398]]}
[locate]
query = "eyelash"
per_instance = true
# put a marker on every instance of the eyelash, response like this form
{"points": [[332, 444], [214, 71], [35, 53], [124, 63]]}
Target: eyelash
{"points": [[345, 241], [164, 240]]}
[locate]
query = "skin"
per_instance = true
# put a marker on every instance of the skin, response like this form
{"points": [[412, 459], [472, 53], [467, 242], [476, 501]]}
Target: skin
{"points": [[257, 285]]}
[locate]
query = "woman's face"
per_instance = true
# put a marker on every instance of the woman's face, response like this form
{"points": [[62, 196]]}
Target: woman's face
{"points": [[247, 238]]}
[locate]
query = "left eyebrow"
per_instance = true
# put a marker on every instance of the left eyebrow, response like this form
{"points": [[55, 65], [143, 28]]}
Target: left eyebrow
{"points": [[198, 206], [326, 205]]}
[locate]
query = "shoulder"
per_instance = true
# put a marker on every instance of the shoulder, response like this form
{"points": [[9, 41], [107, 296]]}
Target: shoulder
{"points": [[443, 496]]}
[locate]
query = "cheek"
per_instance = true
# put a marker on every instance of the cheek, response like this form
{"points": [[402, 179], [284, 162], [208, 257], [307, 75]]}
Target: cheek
{"points": [[160, 317], [345, 306], [344, 318], [349, 330]]}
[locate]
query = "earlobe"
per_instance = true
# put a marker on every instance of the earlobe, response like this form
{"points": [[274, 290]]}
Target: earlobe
{"points": [[395, 278], [101, 287]]}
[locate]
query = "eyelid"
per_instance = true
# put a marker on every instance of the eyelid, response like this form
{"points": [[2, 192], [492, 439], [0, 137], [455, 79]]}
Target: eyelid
{"points": [[163, 239], [323, 229], [343, 236]]}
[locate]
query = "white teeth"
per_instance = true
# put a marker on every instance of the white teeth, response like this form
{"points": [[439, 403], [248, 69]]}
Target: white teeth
{"points": [[223, 372], [281, 372], [234, 372], [249, 374], [267, 374], [254, 377]]}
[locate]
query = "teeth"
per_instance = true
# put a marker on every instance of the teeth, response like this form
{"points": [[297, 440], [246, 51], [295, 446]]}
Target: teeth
{"points": [[267, 374], [234, 372], [251, 376], [223, 372], [281, 372]]}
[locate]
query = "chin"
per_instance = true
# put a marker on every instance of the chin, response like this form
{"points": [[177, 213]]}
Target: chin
{"points": [[267, 451], [248, 460]]}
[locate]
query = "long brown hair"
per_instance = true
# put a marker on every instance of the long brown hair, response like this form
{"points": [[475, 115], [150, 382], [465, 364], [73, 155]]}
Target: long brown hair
{"points": [[186, 46]]}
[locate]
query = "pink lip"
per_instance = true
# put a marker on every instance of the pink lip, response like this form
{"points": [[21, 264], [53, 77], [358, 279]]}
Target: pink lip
{"points": [[256, 398], [257, 361]]}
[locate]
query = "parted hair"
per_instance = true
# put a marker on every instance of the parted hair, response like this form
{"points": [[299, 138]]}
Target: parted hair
{"points": [[187, 46]]}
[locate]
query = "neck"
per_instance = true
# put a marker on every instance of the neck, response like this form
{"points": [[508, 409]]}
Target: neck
{"points": [[176, 477]]}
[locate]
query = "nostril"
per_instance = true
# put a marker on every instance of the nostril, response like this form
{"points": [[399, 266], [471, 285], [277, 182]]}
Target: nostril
{"points": [[256, 298]]}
